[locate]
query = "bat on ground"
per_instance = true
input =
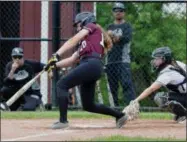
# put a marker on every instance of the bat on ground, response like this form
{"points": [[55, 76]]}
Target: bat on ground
{"points": [[20, 92]]}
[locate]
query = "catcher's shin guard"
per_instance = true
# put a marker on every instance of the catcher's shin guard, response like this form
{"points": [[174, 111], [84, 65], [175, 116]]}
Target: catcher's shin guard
{"points": [[177, 108], [161, 99]]}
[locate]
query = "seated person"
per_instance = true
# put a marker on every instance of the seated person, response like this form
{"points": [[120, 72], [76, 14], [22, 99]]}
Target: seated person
{"points": [[18, 72]]}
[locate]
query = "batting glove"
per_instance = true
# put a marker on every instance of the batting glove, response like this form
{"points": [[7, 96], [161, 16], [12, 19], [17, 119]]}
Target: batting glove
{"points": [[52, 62]]}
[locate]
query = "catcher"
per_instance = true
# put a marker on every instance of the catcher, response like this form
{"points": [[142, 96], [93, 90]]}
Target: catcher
{"points": [[172, 75]]}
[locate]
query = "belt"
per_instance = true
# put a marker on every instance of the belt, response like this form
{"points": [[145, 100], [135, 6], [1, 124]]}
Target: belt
{"points": [[92, 55]]}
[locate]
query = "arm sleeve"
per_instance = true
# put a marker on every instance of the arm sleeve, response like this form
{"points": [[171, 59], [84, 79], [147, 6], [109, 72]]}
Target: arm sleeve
{"points": [[164, 79], [8, 68], [37, 66], [90, 27], [7, 71], [127, 34]]}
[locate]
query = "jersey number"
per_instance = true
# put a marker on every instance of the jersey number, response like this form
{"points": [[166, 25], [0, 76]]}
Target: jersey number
{"points": [[83, 45], [102, 40]]}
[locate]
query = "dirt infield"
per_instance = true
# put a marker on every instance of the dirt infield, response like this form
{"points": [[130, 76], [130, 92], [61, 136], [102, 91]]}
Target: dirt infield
{"points": [[85, 129]]}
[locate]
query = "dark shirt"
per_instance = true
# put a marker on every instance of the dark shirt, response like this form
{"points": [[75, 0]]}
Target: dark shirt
{"points": [[24, 74], [120, 50], [37, 66], [21, 75]]}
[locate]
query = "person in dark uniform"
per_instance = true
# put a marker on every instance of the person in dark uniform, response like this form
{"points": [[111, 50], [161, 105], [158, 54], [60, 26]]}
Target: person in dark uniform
{"points": [[118, 60], [18, 72], [92, 41]]}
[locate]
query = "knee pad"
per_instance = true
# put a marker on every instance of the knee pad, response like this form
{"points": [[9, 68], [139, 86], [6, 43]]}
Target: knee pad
{"points": [[177, 108], [161, 99]]}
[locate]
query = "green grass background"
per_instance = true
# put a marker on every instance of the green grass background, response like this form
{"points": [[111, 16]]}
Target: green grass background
{"points": [[124, 138], [76, 114]]}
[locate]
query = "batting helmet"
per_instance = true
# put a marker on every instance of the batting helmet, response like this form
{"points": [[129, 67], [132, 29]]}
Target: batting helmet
{"points": [[118, 5], [84, 18], [17, 51]]}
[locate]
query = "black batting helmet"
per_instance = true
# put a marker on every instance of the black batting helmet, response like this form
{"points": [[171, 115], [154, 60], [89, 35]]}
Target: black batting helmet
{"points": [[84, 18]]}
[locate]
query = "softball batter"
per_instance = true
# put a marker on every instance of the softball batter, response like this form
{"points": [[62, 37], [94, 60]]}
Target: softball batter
{"points": [[92, 41]]}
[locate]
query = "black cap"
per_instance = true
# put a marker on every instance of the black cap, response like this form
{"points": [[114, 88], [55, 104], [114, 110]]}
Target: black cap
{"points": [[17, 51], [118, 5]]}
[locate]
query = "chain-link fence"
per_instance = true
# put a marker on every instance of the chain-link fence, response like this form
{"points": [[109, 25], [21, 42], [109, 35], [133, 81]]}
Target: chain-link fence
{"points": [[127, 68], [35, 32], [8, 22]]}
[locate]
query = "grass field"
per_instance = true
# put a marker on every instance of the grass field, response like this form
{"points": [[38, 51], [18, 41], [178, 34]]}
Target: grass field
{"points": [[124, 138], [76, 114]]}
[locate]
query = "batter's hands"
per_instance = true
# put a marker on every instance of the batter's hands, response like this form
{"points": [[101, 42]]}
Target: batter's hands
{"points": [[52, 62]]}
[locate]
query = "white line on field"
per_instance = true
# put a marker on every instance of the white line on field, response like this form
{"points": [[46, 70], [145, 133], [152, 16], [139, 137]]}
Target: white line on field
{"points": [[91, 126], [39, 135]]}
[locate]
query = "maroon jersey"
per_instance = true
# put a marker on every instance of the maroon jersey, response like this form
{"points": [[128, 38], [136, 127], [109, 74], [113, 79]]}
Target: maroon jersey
{"points": [[93, 42]]}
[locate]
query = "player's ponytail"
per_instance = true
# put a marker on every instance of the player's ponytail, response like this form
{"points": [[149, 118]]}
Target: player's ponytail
{"points": [[107, 40]]}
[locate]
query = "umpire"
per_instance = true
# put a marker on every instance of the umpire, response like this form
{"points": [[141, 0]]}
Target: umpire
{"points": [[17, 73]]}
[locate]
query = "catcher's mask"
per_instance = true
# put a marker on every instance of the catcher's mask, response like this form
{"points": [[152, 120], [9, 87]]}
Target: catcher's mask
{"points": [[161, 56], [84, 18]]}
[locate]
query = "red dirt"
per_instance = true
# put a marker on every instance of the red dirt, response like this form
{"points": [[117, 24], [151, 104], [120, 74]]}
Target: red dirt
{"points": [[85, 129]]}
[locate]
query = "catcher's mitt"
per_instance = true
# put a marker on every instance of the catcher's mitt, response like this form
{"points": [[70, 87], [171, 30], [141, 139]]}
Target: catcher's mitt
{"points": [[132, 110]]}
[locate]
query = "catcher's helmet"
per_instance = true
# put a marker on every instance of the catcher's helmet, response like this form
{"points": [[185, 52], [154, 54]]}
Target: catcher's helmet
{"points": [[17, 51], [84, 18], [118, 5], [164, 53]]}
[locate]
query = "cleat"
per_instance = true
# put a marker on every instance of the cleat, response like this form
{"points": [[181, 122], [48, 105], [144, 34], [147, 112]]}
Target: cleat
{"points": [[121, 121], [60, 125], [181, 119]]}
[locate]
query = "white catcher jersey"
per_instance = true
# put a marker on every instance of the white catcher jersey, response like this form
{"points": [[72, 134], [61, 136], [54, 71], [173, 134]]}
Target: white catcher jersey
{"points": [[169, 76]]}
